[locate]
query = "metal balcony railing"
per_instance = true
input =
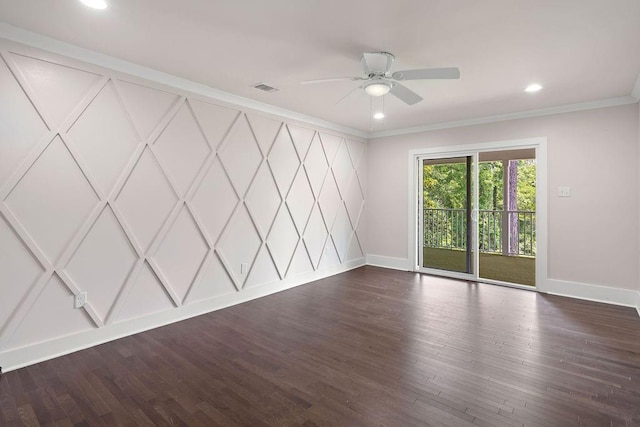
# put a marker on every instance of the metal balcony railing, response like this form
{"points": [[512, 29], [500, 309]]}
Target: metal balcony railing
{"points": [[500, 232]]}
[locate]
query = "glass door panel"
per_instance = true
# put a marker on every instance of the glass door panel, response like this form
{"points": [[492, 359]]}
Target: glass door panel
{"points": [[446, 214], [507, 216]]}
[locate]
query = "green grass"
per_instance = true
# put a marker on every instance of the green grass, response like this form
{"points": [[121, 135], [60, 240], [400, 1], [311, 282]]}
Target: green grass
{"points": [[512, 269]]}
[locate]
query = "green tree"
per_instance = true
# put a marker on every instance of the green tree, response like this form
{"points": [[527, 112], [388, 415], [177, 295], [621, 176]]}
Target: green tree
{"points": [[445, 187], [490, 181], [527, 185]]}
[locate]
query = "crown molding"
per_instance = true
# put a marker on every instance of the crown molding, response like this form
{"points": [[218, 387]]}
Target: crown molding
{"points": [[602, 103], [39, 41]]}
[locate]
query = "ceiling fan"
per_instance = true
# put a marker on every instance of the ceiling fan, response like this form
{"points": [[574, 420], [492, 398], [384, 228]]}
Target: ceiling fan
{"points": [[379, 80]]}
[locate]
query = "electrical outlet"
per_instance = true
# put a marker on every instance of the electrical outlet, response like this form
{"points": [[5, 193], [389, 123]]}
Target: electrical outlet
{"points": [[80, 300], [243, 268]]}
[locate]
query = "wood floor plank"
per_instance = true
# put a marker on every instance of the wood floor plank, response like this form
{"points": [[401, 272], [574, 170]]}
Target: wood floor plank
{"points": [[367, 347]]}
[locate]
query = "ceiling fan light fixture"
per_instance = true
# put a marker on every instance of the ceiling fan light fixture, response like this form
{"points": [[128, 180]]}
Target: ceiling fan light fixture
{"points": [[377, 88]]}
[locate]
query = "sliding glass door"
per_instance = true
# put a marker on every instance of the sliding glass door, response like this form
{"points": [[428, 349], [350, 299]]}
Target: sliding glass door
{"points": [[477, 215], [446, 210]]}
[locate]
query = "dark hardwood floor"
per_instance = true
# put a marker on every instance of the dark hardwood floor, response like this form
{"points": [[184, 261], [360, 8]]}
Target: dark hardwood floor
{"points": [[368, 347]]}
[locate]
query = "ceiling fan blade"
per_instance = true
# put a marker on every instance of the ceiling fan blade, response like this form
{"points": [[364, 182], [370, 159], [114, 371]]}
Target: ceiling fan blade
{"points": [[427, 73], [331, 79], [377, 62], [405, 94]]}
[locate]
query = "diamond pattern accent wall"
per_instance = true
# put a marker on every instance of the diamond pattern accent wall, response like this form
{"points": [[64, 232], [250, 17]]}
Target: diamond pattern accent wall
{"points": [[182, 149], [52, 210], [104, 138], [102, 262], [150, 198]]}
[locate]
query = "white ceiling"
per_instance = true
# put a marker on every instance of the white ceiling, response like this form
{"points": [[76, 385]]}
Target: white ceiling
{"points": [[579, 50]]}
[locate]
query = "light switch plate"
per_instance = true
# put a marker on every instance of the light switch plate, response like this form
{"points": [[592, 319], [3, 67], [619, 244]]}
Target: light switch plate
{"points": [[564, 191]]}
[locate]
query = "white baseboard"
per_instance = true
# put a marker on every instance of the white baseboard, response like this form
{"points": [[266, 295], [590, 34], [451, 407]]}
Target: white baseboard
{"points": [[25, 356], [388, 262], [596, 293]]}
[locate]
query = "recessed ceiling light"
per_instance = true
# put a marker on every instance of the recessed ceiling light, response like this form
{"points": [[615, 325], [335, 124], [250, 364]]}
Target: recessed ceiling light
{"points": [[95, 4], [534, 87], [378, 116]]}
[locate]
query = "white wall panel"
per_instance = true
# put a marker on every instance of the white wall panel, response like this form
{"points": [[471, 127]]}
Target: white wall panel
{"points": [[239, 245], [300, 200], [146, 296], [330, 144], [265, 130], [241, 156], [102, 262], [341, 233], [300, 263], [214, 120], [52, 206], [282, 240], [181, 254], [153, 200], [56, 301], [263, 270], [146, 199], [354, 199], [21, 126], [214, 281], [283, 161], [182, 149], [342, 168], [214, 201], [355, 249], [104, 138], [329, 200], [330, 257], [55, 89], [315, 235], [316, 165], [263, 199], [301, 138], [356, 150], [146, 106], [19, 271]]}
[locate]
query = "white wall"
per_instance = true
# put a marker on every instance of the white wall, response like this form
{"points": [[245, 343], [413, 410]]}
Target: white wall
{"points": [[150, 199], [594, 152]]}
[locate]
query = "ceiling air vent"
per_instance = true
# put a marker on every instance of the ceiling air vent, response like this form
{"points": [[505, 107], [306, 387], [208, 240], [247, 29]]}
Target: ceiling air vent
{"points": [[265, 87]]}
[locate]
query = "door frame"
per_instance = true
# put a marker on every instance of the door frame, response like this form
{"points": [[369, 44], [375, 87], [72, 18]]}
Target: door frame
{"points": [[540, 146]]}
